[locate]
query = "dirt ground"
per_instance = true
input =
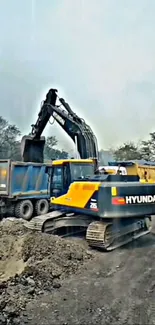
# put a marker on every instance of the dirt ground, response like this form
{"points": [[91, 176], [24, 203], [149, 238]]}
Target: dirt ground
{"points": [[33, 264], [45, 280]]}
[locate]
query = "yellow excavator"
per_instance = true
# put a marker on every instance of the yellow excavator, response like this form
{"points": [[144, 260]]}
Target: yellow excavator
{"points": [[111, 210]]}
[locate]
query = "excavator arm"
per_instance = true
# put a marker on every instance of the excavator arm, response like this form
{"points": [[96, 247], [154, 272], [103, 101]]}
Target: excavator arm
{"points": [[73, 125]]}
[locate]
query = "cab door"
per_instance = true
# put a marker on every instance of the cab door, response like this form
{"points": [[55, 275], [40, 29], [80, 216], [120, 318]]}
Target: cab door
{"points": [[66, 177], [56, 181], [60, 180]]}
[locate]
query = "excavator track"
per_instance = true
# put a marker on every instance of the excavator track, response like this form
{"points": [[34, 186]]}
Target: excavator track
{"points": [[59, 223], [37, 223], [103, 235], [107, 236]]}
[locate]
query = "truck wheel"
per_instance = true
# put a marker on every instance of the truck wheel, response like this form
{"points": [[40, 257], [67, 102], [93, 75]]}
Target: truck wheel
{"points": [[41, 207], [24, 210]]}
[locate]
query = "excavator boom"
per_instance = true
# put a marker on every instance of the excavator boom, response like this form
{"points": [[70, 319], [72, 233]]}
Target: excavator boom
{"points": [[73, 125]]}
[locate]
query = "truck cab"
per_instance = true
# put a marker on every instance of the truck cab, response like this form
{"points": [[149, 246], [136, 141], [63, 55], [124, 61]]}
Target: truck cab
{"points": [[64, 172]]}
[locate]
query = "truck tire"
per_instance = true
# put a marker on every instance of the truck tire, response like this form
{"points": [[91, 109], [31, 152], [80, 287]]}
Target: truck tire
{"points": [[41, 207], [24, 209]]}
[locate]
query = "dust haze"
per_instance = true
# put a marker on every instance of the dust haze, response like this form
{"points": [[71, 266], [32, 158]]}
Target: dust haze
{"points": [[100, 54]]}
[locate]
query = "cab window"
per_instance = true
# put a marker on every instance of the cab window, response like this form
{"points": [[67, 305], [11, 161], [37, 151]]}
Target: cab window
{"points": [[57, 178], [79, 170]]}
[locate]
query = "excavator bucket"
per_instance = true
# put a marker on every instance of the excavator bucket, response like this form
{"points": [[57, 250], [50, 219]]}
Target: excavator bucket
{"points": [[32, 150]]}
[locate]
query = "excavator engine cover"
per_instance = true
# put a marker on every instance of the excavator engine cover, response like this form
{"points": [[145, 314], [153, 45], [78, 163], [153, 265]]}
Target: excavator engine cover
{"points": [[32, 149]]}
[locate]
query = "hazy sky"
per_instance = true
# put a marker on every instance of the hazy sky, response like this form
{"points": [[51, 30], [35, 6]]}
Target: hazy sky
{"points": [[99, 53]]}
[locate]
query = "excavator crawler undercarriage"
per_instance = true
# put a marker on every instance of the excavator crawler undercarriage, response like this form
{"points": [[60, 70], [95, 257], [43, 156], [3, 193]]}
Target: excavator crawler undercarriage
{"points": [[109, 236], [104, 235], [59, 223]]}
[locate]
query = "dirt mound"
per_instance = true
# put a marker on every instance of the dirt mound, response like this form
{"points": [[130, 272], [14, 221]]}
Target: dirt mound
{"points": [[32, 264]]}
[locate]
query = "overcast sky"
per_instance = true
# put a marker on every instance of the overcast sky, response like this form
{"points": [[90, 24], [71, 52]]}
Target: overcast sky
{"points": [[99, 53]]}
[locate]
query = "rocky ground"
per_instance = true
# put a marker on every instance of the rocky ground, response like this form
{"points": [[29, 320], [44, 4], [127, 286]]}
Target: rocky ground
{"points": [[33, 264], [45, 280]]}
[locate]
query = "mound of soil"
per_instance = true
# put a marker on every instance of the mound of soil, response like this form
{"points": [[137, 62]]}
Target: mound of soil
{"points": [[32, 264]]}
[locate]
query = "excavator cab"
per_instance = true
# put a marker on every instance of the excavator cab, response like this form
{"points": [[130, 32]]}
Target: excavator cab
{"points": [[64, 172]]}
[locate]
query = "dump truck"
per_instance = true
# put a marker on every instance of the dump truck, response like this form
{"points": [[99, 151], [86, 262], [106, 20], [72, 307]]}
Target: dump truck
{"points": [[144, 169], [24, 188]]}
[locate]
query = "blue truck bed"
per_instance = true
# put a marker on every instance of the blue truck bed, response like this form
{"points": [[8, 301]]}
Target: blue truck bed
{"points": [[23, 181]]}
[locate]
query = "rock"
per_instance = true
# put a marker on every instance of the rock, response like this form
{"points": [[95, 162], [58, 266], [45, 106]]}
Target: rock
{"points": [[11, 311], [16, 321], [2, 304], [31, 291], [78, 256], [56, 284], [23, 281], [3, 285], [30, 281], [3, 320]]}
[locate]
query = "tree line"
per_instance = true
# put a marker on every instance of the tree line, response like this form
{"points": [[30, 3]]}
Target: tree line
{"points": [[136, 151], [10, 147]]}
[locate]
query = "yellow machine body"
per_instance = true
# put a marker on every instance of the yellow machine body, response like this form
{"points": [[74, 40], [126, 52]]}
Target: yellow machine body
{"points": [[79, 193]]}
